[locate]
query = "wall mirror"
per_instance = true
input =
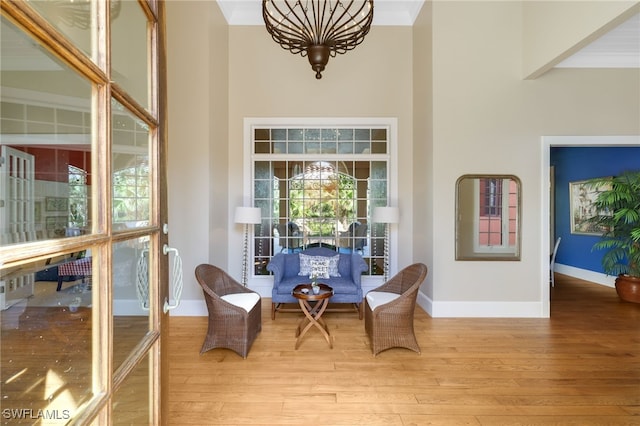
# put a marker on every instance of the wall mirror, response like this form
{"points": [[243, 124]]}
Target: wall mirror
{"points": [[488, 217]]}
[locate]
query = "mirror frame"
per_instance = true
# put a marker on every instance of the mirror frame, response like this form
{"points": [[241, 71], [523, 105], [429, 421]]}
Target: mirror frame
{"points": [[463, 234]]}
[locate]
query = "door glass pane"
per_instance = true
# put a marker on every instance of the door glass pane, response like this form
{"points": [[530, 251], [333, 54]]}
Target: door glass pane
{"points": [[129, 50], [72, 18], [46, 352], [45, 135], [131, 177], [130, 296], [131, 402]]}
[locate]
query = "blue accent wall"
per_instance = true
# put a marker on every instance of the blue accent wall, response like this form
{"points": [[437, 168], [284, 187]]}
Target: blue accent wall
{"points": [[580, 163]]}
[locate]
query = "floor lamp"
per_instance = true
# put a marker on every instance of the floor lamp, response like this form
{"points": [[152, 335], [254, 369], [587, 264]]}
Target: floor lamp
{"points": [[386, 215], [247, 216]]}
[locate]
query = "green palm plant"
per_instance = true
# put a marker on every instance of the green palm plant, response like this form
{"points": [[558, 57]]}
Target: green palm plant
{"points": [[618, 206]]}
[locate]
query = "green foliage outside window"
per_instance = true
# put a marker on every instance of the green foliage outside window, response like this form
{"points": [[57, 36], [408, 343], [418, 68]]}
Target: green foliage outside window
{"points": [[131, 194], [320, 200], [78, 205]]}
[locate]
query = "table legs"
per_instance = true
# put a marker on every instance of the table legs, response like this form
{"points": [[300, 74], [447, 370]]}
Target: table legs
{"points": [[313, 317], [61, 278]]}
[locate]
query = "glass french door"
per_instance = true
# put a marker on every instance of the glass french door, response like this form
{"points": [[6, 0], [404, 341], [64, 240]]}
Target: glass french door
{"points": [[83, 276]]}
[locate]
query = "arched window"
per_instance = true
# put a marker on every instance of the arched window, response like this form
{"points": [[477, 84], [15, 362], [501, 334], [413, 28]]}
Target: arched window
{"points": [[321, 200]]}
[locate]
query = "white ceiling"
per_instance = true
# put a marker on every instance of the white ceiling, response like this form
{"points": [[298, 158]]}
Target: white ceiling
{"points": [[387, 12], [619, 48]]}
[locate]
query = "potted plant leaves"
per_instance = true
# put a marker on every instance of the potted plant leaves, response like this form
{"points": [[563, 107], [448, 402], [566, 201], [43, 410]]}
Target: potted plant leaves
{"points": [[618, 214]]}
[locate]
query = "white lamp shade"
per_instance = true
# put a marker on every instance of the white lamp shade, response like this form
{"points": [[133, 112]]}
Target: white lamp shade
{"points": [[386, 215], [248, 215]]}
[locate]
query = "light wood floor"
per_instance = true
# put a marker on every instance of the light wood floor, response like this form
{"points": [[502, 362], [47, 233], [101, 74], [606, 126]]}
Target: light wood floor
{"points": [[580, 367]]}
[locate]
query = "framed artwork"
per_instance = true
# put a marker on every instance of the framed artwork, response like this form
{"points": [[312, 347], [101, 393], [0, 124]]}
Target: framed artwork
{"points": [[57, 222], [581, 199], [56, 204]]}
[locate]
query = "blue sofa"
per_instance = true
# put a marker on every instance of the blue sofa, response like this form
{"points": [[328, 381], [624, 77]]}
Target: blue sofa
{"points": [[347, 287]]}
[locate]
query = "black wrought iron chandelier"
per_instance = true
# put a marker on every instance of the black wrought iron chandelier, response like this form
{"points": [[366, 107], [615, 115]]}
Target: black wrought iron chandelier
{"points": [[318, 29]]}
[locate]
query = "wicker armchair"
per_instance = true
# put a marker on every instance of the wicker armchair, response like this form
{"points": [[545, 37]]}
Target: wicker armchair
{"points": [[235, 312], [388, 312]]}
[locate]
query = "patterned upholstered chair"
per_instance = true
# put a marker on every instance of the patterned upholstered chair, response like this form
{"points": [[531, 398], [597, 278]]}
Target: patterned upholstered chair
{"points": [[389, 309], [235, 312]]}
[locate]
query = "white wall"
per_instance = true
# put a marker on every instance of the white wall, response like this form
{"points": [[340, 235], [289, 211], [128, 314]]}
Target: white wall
{"points": [[197, 67]]}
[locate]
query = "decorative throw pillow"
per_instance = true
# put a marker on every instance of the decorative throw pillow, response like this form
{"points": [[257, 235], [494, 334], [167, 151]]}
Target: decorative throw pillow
{"points": [[333, 266], [305, 264], [319, 268]]}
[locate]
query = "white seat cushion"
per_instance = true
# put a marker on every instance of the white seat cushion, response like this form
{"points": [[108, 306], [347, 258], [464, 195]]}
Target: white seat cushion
{"points": [[377, 298], [245, 301]]}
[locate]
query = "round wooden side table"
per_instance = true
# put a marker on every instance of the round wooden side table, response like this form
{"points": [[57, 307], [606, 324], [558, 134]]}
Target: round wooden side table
{"points": [[313, 313]]}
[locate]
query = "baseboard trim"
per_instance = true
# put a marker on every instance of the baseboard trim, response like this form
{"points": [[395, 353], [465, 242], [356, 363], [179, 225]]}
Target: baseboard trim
{"points": [[484, 309], [495, 309], [191, 308], [584, 274]]}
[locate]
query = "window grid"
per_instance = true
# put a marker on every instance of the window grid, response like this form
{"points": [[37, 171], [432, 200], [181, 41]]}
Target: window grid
{"points": [[131, 193], [307, 201], [320, 141]]}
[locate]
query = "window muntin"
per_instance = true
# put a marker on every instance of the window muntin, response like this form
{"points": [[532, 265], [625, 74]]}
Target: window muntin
{"points": [[320, 141], [321, 189]]}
